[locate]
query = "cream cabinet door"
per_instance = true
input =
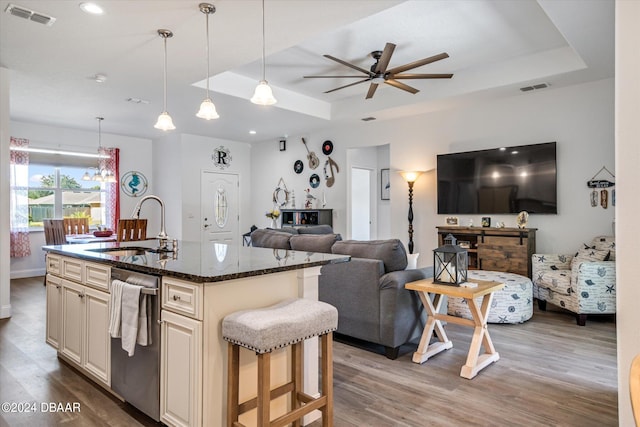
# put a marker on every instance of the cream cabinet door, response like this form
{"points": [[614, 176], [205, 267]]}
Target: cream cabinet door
{"points": [[97, 347], [181, 370], [72, 321], [54, 310]]}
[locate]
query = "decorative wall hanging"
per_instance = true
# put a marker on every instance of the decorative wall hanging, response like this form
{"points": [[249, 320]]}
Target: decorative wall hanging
{"points": [[330, 179], [298, 166], [604, 193], [134, 184], [327, 147], [385, 184], [314, 162], [221, 157], [281, 194], [314, 180]]}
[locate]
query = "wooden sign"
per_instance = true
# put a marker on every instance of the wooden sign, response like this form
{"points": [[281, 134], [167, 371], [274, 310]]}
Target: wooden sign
{"points": [[600, 183]]}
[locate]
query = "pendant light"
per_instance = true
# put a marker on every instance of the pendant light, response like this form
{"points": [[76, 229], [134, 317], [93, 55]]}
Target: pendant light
{"points": [[164, 119], [263, 94], [101, 172], [207, 108]]}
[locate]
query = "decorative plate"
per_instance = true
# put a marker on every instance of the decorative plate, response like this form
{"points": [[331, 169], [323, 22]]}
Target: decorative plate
{"points": [[102, 233], [134, 184], [327, 147], [314, 180], [298, 166]]}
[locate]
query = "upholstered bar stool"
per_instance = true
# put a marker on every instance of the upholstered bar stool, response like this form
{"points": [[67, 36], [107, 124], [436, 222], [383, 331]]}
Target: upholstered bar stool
{"points": [[263, 330]]}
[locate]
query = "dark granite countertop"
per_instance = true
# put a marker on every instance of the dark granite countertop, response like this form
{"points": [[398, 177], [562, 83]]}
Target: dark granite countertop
{"points": [[198, 262]]}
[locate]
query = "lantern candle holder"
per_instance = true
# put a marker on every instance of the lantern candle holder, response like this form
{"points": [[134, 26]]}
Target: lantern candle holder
{"points": [[450, 263]]}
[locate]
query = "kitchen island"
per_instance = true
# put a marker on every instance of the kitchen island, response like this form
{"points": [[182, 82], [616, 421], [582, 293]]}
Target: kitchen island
{"points": [[201, 283]]}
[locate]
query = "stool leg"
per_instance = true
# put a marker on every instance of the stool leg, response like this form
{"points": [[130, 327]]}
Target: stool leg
{"points": [[296, 377], [327, 378], [233, 381], [264, 389]]}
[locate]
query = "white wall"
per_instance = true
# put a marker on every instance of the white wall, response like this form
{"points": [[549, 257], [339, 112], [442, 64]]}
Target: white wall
{"points": [[196, 157], [628, 174], [135, 154], [580, 118], [5, 301], [384, 206]]}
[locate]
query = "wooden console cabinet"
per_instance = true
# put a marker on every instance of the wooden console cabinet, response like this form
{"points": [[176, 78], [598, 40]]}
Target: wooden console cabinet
{"points": [[497, 249]]}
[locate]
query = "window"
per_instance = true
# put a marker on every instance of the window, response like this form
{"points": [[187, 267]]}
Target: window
{"points": [[60, 192], [48, 183]]}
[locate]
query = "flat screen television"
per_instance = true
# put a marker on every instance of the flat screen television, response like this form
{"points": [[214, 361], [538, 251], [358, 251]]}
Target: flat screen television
{"points": [[503, 180]]}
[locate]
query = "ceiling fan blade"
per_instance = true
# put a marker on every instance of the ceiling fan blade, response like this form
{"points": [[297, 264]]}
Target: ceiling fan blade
{"points": [[421, 76], [331, 77], [340, 61], [372, 90], [418, 63], [383, 62], [345, 86], [402, 86]]}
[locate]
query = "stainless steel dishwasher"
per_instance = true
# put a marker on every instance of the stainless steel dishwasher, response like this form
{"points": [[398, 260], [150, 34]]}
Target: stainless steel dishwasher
{"points": [[137, 378]]}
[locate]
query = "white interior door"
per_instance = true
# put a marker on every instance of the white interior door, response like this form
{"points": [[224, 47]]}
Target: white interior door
{"points": [[220, 212], [360, 204]]}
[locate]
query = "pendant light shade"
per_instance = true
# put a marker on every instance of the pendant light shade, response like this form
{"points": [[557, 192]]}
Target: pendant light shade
{"points": [[263, 94], [164, 119], [207, 108]]}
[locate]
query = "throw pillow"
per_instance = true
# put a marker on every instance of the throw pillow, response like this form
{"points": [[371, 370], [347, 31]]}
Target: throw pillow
{"points": [[313, 242], [589, 255]]}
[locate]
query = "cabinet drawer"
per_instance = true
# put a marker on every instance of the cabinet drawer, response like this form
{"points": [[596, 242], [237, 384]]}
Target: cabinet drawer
{"points": [[72, 269], [97, 275], [182, 297], [53, 264]]}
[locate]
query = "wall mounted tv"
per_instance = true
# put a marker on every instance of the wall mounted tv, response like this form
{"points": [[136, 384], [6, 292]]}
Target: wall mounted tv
{"points": [[504, 180]]}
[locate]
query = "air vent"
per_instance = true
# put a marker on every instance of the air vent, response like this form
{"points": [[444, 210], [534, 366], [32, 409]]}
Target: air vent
{"points": [[137, 101], [535, 87], [368, 119], [32, 15]]}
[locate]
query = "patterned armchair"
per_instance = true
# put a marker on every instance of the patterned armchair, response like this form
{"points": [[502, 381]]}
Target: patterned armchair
{"points": [[584, 283]]}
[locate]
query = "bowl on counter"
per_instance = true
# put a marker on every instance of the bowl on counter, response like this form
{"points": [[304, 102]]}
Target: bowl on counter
{"points": [[103, 233]]}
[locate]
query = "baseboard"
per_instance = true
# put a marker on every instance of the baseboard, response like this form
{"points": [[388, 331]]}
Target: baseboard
{"points": [[23, 274], [5, 311]]}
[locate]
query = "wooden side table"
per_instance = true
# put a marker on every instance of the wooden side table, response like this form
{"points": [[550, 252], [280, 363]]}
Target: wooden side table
{"points": [[475, 360]]}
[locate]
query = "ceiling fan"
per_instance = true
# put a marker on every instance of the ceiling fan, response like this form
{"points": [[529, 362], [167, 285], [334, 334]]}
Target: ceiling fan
{"points": [[379, 74]]}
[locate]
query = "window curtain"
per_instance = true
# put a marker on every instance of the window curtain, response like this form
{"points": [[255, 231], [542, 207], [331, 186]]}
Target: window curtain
{"points": [[112, 195], [19, 199]]}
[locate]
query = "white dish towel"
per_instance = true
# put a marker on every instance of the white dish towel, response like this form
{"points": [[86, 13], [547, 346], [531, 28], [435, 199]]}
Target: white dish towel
{"points": [[130, 316], [115, 309]]}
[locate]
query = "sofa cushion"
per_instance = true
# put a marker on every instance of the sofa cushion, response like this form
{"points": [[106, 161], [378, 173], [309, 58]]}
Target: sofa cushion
{"points": [[313, 242], [290, 230], [316, 229], [555, 280], [391, 252], [589, 255], [606, 243], [262, 238]]}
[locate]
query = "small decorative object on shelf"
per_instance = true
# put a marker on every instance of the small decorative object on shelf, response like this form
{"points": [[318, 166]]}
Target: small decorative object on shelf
{"points": [[273, 214], [486, 221], [523, 219], [452, 220], [450, 263]]}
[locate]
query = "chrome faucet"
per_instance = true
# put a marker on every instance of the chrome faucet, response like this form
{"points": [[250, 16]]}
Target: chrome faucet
{"points": [[162, 236]]}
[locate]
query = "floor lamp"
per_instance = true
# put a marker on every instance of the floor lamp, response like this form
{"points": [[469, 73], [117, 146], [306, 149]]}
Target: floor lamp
{"points": [[411, 177]]}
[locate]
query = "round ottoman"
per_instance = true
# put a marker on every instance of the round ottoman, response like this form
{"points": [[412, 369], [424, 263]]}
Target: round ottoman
{"points": [[511, 304]]}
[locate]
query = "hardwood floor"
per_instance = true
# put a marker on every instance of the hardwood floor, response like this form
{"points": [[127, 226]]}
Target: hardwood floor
{"points": [[551, 372]]}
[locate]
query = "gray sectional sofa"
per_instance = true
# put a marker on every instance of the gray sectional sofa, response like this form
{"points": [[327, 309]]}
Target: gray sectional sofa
{"points": [[368, 291]]}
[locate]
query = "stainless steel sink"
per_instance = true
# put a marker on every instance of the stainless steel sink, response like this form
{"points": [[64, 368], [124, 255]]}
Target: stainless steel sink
{"points": [[121, 251]]}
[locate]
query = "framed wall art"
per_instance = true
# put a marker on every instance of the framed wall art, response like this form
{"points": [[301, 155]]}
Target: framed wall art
{"points": [[385, 184]]}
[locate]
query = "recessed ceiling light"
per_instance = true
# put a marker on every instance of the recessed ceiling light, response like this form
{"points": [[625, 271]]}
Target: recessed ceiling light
{"points": [[91, 8], [514, 152], [100, 78], [252, 132]]}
